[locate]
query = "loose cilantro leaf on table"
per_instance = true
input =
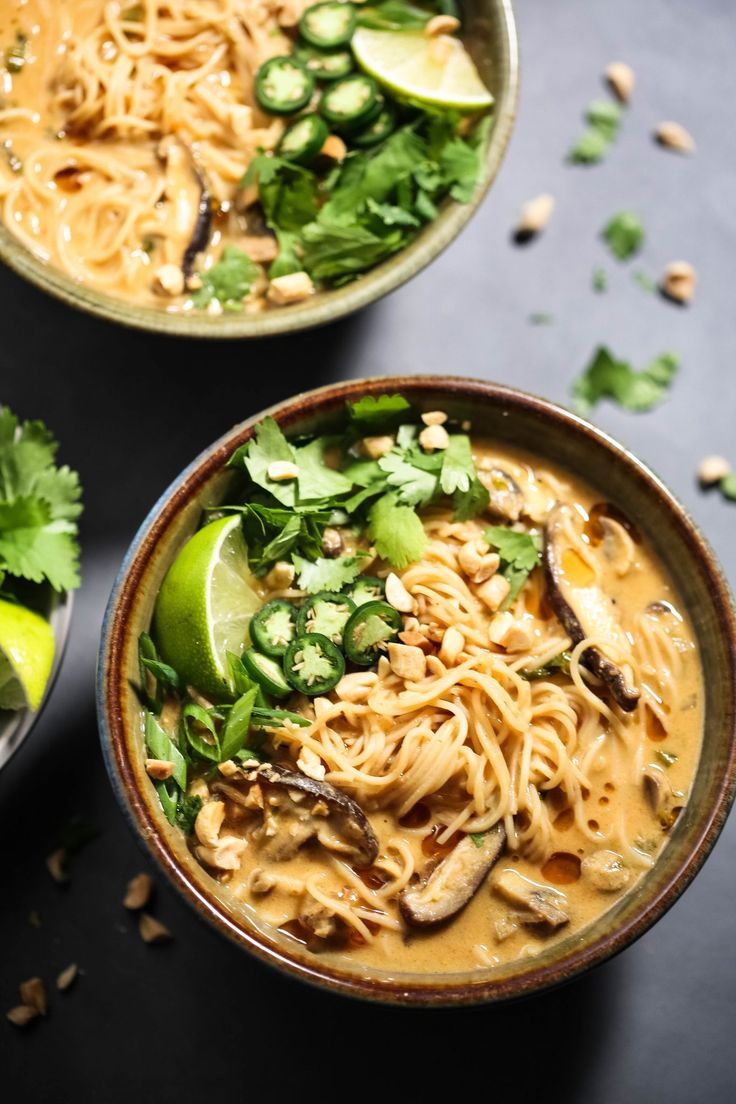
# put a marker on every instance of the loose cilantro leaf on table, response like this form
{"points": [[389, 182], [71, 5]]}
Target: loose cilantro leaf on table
{"points": [[604, 119], [396, 531], [624, 234], [228, 281], [606, 377], [519, 552], [39, 505], [326, 574], [599, 279], [727, 486]]}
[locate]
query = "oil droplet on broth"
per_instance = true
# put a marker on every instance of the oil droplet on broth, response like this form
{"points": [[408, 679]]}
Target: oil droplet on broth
{"points": [[576, 570], [562, 868]]}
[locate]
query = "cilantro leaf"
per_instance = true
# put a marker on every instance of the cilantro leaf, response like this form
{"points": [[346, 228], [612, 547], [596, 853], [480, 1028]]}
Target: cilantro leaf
{"points": [[458, 469], [519, 553], [288, 193], [468, 504], [604, 119], [287, 260], [370, 414], [267, 446], [392, 15], [39, 504], [461, 166], [228, 281], [326, 574], [559, 664], [396, 531], [161, 746], [624, 234], [316, 480], [606, 377], [414, 487], [332, 250], [727, 486], [599, 279], [187, 808]]}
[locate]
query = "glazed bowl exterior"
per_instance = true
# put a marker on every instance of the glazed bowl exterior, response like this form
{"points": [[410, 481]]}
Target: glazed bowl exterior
{"points": [[508, 417], [490, 34]]}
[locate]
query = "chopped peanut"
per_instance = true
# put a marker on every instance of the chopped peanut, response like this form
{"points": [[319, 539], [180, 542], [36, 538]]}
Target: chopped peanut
{"points": [[160, 769], [441, 24], [434, 438], [712, 469], [290, 289], [494, 592], [397, 595], [33, 994], [376, 447], [416, 639], [138, 891], [407, 662], [453, 643], [509, 633], [225, 856], [621, 78], [152, 930], [280, 576], [281, 470], [334, 148], [169, 280], [209, 822], [67, 977], [434, 417]]}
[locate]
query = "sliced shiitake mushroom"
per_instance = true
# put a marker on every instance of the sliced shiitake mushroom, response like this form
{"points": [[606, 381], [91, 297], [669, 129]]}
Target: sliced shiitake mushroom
{"points": [[506, 500], [448, 886], [542, 904], [298, 808], [660, 795], [188, 200], [585, 611]]}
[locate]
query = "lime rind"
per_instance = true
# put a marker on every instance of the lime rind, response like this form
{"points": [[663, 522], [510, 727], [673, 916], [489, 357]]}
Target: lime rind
{"points": [[407, 64], [26, 657]]}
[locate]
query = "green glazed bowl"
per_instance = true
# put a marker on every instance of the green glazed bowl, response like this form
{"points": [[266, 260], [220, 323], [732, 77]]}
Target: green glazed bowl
{"points": [[508, 417], [490, 34]]}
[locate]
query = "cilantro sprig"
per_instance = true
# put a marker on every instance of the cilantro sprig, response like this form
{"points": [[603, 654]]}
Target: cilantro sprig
{"points": [[606, 377], [379, 497], [39, 507], [520, 553]]}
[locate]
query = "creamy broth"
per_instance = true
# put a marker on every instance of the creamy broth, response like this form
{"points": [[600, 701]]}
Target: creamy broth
{"points": [[548, 838], [84, 181]]}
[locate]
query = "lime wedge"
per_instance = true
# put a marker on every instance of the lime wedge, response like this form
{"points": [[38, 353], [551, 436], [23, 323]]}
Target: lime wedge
{"points": [[205, 604], [437, 71], [26, 655]]}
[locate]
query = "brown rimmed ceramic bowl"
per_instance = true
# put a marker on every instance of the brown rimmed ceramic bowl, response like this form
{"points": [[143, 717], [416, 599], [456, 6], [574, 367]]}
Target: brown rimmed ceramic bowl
{"points": [[510, 417], [490, 35]]}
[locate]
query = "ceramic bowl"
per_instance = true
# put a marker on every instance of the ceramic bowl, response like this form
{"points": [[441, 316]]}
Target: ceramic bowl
{"points": [[490, 35], [506, 416], [16, 727]]}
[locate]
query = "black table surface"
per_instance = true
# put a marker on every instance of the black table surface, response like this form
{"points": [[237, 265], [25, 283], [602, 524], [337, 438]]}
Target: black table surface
{"points": [[198, 1016]]}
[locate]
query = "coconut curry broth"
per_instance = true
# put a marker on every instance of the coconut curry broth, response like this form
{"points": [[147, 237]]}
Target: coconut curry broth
{"points": [[588, 864]]}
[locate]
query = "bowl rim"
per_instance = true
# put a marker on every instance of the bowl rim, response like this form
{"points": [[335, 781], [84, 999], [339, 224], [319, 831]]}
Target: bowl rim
{"points": [[111, 681], [325, 307]]}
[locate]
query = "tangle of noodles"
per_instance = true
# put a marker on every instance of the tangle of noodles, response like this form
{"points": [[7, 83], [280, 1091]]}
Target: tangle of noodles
{"points": [[475, 741], [105, 80]]}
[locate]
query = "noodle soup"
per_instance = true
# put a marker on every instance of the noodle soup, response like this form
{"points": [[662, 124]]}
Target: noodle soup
{"points": [[458, 709], [151, 151]]}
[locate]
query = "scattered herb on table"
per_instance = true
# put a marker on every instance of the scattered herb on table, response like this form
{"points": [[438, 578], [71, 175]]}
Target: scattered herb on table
{"points": [[604, 119], [624, 234], [646, 283], [39, 507], [606, 377], [539, 318], [599, 279]]}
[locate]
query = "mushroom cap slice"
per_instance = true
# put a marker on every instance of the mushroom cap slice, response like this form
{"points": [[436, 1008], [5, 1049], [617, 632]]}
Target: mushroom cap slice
{"points": [[545, 905], [191, 204], [452, 883], [345, 826], [505, 498], [585, 611]]}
